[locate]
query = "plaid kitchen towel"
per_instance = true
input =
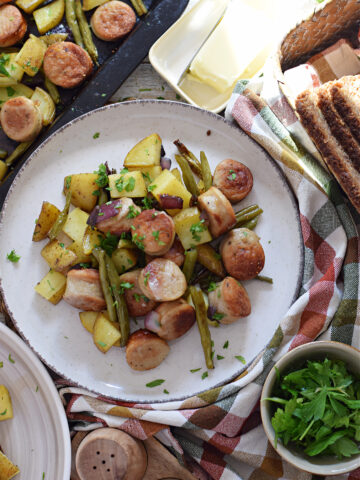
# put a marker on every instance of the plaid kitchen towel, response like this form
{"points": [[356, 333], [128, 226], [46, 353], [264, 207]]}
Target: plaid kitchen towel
{"points": [[221, 428]]}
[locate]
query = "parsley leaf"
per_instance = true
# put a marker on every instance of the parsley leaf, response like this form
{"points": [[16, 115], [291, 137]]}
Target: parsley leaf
{"points": [[13, 257], [197, 228], [155, 383], [109, 243], [102, 179]]}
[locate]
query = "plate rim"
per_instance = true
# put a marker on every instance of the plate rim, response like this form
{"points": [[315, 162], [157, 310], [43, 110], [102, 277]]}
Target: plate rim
{"points": [[235, 128], [30, 360]]}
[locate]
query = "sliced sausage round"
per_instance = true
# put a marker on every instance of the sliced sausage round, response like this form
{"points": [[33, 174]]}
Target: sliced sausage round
{"points": [[113, 20], [234, 179], [242, 254], [121, 222], [230, 300], [162, 280], [219, 211], [155, 231], [66, 64], [138, 304], [20, 119], [145, 350], [12, 25], [171, 320]]}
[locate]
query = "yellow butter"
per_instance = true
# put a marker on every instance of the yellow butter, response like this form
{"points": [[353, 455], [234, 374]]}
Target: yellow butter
{"points": [[237, 48]]}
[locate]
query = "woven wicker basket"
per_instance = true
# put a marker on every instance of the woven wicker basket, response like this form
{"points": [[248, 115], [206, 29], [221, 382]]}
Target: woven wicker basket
{"points": [[331, 21]]}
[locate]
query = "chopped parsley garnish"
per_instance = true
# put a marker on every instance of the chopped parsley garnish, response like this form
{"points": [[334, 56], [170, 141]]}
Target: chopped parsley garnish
{"points": [[4, 412], [165, 391], [4, 59], [226, 344], [125, 286], [10, 91], [62, 245], [219, 357], [218, 316], [147, 203], [109, 243], [13, 257], [240, 358], [197, 228], [10, 359], [123, 183], [96, 135], [151, 188], [138, 298], [102, 179], [96, 193], [138, 240], [124, 170], [146, 176], [195, 370], [132, 212], [156, 234], [85, 265], [232, 175], [102, 344], [146, 279], [155, 383], [204, 375], [37, 388], [212, 286]]}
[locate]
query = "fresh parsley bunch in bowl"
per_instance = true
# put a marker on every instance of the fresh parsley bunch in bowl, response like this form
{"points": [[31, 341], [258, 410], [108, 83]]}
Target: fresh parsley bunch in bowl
{"points": [[310, 407]]}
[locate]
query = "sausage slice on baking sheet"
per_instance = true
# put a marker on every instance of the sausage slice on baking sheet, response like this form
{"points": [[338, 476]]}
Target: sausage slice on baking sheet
{"points": [[113, 20], [12, 25], [66, 64], [20, 119]]}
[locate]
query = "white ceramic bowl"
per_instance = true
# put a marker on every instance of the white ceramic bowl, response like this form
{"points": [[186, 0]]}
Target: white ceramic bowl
{"points": [[310, 351]]}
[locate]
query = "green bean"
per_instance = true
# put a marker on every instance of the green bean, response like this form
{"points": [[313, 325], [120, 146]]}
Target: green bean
{"points": [[189, 264], [245, 211], [193, 162], [202, 323], [99, 254], [247, 216], [61, 219], [72, 21], [53, 91], [3, 153], [251, 224], [188, 176], [139, 7], [206, 171], [102, 198], [19, 150], [264, 279], [120, 304], [85, 31]]}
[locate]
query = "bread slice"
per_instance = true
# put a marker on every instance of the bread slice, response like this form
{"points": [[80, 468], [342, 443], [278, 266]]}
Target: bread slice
{"points": [[338, 127], [333, 154], [346, 97]]}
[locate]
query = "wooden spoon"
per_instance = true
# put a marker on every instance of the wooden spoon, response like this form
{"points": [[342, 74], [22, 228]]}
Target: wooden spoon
{"points": [[110, 454]]}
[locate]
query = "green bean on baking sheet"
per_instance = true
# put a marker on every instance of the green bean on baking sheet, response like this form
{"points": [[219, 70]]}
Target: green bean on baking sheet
{"points": [[85, 31], [72, 22]]}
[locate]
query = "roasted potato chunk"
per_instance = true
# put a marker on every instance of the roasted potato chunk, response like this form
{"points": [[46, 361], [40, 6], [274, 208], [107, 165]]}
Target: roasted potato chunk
{"points": [[52, 286], [45, 221], [82, 186]]}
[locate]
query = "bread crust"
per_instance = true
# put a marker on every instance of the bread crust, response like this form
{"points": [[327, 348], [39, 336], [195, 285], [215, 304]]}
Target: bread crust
{"points": [[337, 125], [342, 93], [334, 155]]}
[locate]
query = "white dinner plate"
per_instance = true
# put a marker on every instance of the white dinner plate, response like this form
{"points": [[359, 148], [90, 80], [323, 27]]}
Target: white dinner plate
{"points": [[37, 438], [55, 332]]}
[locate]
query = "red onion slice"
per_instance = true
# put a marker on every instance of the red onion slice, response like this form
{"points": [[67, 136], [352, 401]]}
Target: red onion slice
{"points": [[170, 201], [165, 163], [151, 321], [103, 212]]}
